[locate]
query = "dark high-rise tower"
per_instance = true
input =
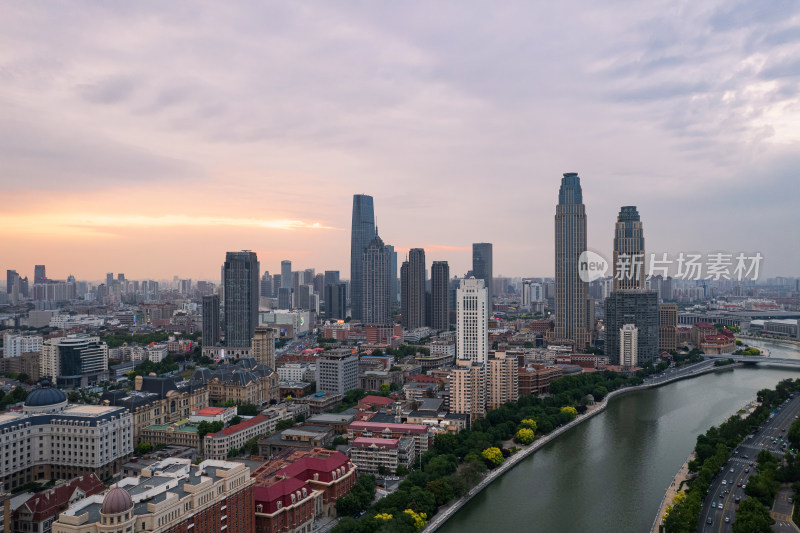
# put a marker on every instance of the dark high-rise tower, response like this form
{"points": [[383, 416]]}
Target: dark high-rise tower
{"points": [[39, 275], [392, 275], [241, 298], [412, 289], [362, 232], [440, 301], [482, 265], [11, 279], [375, 308], [570, 291], [211, 320], [628, 250], [336, 301]]}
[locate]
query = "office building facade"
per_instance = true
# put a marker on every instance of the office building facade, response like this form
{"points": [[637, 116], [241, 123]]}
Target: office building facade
{"points": [[241, 298], [629, 273], [375, 307], [571, 293], [472, 321], [362, 233], [211, 320], [412, 289], [637, 307], [482, 264], [440, 301]]}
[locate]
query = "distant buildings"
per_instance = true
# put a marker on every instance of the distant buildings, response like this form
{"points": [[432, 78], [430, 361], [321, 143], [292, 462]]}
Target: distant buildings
{"points": [[629, 250], [375, 287], [572, 320], [241, 297], [379, 455], [16, 344], [412, 290], [440, 303], [336, 301], [482, 264], [668, 327], [361, 234], [246, 382]]}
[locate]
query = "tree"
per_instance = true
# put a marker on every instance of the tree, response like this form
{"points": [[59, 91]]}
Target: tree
{"points": [[752, 517], [386, 389], [442, 491], [247, 409], [793, 435], [143, 448], [524, 436], [493, 456], [419, 519], [571, 411], [528, 423], [284, 424], [235, 420], [401, 471]]}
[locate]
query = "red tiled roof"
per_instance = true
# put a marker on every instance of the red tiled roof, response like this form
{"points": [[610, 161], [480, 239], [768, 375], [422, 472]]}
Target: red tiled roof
{"points": [[376, 400], [210, 411], [364, 442], [48, 504], [422, 378], [241, 425], [280, 491], [394, 428], [306, 467]]}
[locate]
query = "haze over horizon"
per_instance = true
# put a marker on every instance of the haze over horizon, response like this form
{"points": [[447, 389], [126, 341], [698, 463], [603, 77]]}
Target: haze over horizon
{"points": [[151, 138]]}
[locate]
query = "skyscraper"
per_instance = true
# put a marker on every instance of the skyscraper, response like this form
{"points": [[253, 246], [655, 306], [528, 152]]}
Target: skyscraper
{"points": [[570, 290], [39, 275], [266, 285], [482, 264], [241, 297], [11, 280], [628, 250], [412, 289], [440, 302], [637, 307], [286, 274], [375, 307], [392, 275], [336, 301], [211, 320], [472, 322], [362, 232]]}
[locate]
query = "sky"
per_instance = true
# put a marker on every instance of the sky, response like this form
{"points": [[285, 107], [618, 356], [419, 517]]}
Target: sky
{"points": [[150, 138]]}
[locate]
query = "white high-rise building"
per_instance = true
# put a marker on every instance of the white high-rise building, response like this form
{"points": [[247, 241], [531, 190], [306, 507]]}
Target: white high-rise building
{"points": [[628, 346], [531, 292], [472, 304], [15, 344]]}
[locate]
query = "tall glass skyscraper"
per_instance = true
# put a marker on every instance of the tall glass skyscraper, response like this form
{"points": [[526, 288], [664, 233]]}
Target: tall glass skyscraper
{"points": [[571, 293], [482, 265], [629, 271], [241, 297], [376, 308], [362, 233], [412, 289]]}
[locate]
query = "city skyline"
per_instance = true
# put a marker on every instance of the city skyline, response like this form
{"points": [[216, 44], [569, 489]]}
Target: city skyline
{"points": [[113, 147]]}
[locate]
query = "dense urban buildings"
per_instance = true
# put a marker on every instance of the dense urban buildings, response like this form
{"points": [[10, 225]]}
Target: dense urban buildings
{"points": [[241, 272], [336, 301], [482, 265], [412, 290], [571, 292], [629, 250], [362, 233]]}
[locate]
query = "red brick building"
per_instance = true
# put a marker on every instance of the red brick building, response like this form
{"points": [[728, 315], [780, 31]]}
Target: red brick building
{"points": [[41, 509], [329, 472], [288, 506]]}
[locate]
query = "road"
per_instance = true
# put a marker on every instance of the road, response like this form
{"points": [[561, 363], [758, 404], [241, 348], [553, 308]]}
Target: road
{"points": [[672, 372], [728, 485]]}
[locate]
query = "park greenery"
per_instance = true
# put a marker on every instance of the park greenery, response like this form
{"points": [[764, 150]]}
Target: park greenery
{"points": [[457, 462], [712, 451], [145, 368], [17, 395], [748, 351]]}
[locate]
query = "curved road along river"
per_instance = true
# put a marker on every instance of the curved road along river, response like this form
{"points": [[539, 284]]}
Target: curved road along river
{"points": [[610, 473]]}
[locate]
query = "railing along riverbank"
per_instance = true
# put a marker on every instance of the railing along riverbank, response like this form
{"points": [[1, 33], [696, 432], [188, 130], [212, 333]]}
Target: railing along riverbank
{"points": [[444, 514]]}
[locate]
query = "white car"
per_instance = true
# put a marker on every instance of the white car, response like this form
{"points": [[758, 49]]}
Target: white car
{"points": [[724, 482]]}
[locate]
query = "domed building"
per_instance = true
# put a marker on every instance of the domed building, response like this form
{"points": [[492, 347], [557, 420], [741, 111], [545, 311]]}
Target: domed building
{"points": [[117, 509], [45, 399]]}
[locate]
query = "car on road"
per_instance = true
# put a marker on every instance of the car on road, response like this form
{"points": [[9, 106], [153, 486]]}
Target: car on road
{"points": [[751, 464], [727, 519], [739, 484], [737, 500], [724, 482], [746, 470], [721, 494], [731, 470], [709, 521], [714, 505]]}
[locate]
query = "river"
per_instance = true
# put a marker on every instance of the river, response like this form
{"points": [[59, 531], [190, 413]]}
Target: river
{"points": [[610, 473]]}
